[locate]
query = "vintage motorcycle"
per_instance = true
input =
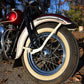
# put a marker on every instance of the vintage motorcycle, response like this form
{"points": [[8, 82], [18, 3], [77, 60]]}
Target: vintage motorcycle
{"points": [[48, 50]]}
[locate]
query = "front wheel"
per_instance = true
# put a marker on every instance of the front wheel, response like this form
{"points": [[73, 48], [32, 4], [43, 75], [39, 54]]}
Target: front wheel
{"points": [[57, 61]]}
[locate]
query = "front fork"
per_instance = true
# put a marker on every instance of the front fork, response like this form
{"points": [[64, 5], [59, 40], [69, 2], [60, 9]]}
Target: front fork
{"points": [[30, 25], [33, 32], [44, 43]]}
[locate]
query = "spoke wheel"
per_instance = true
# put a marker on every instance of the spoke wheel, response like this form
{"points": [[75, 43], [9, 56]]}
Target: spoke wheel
{"points": [[57, 61], [51, 58]]}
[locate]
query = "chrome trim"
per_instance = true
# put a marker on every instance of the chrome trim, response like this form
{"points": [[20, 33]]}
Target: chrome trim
{"points": [[1, 36], [2, 29]]}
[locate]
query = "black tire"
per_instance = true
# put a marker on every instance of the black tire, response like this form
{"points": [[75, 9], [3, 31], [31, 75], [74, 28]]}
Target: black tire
{"points": [[69, 64], [0, 58]]}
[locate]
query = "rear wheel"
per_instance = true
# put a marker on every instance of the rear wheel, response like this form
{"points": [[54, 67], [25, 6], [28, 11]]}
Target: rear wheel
{"points": [[57, 61]]}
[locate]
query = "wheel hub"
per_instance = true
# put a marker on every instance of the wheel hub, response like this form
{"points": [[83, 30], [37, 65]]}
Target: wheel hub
{"points": [[45, 52]]}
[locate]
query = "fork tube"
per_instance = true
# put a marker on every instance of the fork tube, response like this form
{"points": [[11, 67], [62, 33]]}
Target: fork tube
{"points": [[28, 20], [29, 30]]}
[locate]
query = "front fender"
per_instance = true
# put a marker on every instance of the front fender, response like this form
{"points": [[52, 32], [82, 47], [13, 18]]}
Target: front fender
{"points": [[52, 17], [38, 21]]}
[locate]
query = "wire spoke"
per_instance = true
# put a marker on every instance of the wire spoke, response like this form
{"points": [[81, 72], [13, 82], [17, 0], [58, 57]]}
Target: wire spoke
{"points": [[56, 56], [52, 58], [56, 48], [41, 64], [51, 63], [47, 67]]}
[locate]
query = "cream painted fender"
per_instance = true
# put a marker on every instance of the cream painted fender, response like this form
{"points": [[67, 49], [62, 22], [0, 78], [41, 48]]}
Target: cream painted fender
{"points": [[24, 34]]}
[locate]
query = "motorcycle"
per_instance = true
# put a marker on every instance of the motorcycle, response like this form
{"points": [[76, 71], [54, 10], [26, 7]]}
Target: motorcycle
{"points": [[48, 50]]}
